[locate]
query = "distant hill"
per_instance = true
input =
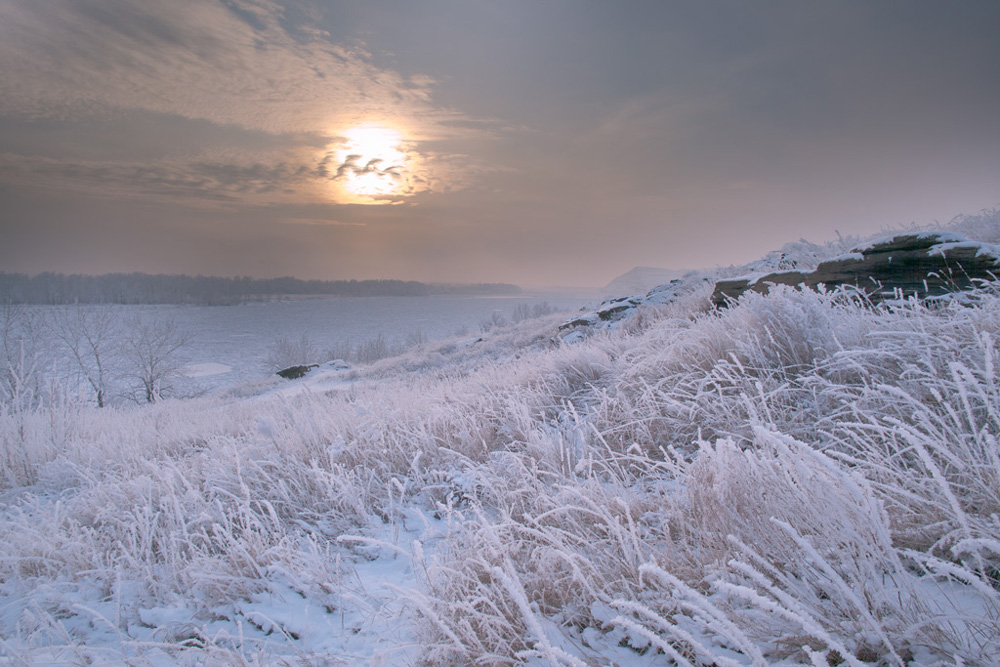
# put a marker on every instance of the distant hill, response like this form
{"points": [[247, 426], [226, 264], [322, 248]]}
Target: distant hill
{"points": [[640, 280], [143, 288]]}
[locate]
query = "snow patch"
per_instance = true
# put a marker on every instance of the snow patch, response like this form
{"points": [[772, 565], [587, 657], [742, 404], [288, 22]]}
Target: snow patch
{"points": [[206, 369]]}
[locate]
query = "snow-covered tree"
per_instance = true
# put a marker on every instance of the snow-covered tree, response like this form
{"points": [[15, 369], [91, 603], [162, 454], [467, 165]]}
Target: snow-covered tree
{"points": [[152, 357], [90, 336]]}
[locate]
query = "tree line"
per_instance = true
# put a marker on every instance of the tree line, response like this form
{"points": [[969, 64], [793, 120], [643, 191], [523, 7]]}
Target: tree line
{"points": [[143, 288]]}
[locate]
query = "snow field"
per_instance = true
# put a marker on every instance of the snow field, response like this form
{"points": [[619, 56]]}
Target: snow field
{"points": [[799, 480]]}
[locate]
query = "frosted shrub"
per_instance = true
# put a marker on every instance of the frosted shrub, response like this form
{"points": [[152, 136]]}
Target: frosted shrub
{"points": [[808, 545], [469, 612], [929, 444], [373, 350], [573, 374], [285, 352], [342, 349], [494, 321], [415, 337], [790, 329], [25, 357], [929, 437], [706, 377], [539, 545], [523, 311], [984, 226]]}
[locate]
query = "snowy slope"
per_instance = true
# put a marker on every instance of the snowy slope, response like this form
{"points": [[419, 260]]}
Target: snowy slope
{"points": [[796, 480]]}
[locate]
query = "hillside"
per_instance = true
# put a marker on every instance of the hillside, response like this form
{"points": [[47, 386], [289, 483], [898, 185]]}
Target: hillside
{"points": [[639, 279], [803, 478]]}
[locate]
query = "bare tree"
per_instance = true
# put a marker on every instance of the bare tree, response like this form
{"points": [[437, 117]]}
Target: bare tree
{"points": [[22, 348], [90, 335], [152, 350]]}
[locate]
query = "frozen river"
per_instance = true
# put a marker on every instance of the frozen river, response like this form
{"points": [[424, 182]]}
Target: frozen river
{"points": [[230, 343]]}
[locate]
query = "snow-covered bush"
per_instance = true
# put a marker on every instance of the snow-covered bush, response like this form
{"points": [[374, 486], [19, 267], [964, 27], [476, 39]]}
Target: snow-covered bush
{"points": [[983, 226], [285, 352]]}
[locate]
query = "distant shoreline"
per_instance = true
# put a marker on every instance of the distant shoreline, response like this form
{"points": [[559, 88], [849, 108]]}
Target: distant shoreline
{"points": [[149, 289]]}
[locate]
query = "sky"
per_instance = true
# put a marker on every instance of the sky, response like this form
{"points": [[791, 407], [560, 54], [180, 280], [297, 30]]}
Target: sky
{"points": [[541, 143]]}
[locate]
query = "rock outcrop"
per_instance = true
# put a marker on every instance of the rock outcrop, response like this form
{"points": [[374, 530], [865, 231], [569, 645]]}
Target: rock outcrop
{"points": [[612, 311], [295, 372], [923, 265], [928, 264]]}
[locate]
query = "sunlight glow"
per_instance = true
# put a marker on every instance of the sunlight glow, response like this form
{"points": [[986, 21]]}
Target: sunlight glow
{"points": [[372, 163]]}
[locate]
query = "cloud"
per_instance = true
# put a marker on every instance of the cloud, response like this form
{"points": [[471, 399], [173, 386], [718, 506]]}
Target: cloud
{"points": [[202, 182], [232, 64], [320, 222], [238, 66]]}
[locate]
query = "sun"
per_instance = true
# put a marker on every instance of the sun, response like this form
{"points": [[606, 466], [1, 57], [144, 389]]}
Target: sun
{"points": [[372, 163]]}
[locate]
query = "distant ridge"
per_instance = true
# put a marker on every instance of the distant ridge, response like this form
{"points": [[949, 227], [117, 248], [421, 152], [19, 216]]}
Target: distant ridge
{"points": [[144, 288], [640, 280]]}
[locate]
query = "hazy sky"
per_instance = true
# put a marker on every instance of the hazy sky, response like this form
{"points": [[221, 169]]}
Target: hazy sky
{"points": [[541, 142]]}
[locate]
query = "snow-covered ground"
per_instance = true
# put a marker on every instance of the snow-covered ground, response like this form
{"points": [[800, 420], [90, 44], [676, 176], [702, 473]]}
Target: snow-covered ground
{"points": [[240, 336], [797, 480], [205, 369]]}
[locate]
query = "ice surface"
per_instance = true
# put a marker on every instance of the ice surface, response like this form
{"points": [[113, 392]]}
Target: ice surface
{"points": [[205, 369]]}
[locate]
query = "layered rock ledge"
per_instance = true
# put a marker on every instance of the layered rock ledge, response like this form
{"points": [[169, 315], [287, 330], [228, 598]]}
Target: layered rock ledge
{"points": [[927, 264], [923, 265]]}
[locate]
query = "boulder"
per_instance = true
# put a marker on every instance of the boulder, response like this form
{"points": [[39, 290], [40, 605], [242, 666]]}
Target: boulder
{"points": [[295, 372], [923, 265], [581, 321], [613, 309]]}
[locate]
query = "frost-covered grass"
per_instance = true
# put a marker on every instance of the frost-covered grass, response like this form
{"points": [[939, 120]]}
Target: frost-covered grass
{"points": [[802, 479]]}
